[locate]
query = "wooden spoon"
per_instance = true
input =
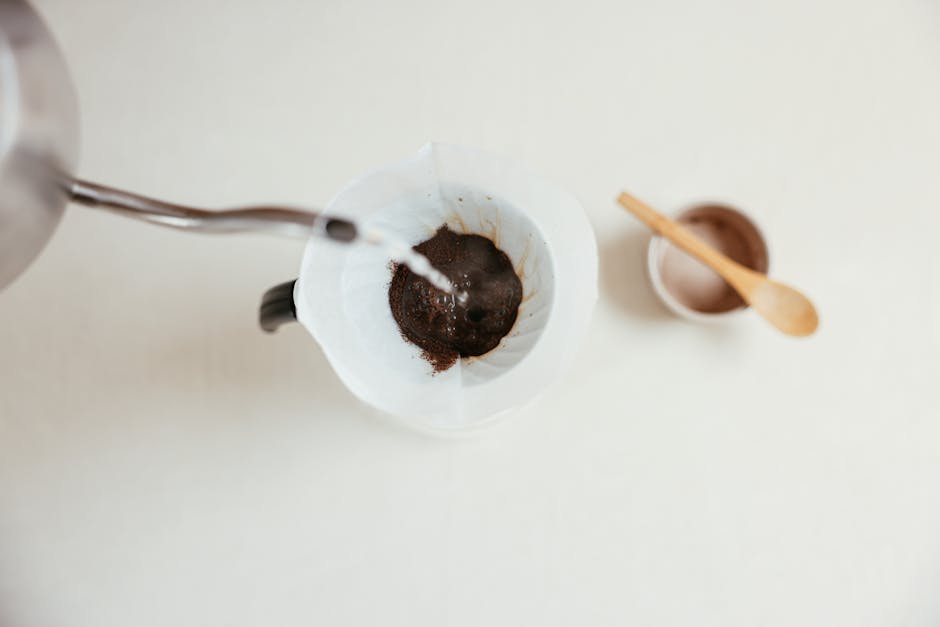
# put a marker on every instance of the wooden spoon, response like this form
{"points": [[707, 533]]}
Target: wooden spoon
{"points": [[781, 305]]}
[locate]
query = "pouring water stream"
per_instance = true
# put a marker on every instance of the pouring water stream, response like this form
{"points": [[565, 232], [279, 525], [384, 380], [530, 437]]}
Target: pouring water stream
{"points": [[267, 219], [416, 262]]}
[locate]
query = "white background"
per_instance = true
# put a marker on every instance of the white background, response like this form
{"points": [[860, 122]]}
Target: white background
{"points": [[163, 462]]}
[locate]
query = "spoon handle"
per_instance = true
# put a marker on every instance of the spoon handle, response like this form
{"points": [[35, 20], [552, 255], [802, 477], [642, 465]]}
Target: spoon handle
{"points": [[741, 278]]}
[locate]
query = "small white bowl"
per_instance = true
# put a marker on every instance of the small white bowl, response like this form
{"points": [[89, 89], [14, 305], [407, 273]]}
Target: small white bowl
{"points": [[684, 284]]}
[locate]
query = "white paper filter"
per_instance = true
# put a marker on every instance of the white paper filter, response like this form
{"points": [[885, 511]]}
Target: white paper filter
{"points": [[342, 293]]}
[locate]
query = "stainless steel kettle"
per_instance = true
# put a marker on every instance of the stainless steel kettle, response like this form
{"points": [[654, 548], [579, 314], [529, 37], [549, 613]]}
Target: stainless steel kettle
{"points": [[38, 152]]}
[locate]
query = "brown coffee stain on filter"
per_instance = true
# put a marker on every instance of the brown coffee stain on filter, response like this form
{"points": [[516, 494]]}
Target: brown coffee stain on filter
{"points": [[455, 217], [697, 286], [520, 270], [487, 224]]}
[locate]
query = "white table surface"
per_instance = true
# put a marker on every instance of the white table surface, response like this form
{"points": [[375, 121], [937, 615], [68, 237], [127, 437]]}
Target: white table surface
{"points": [[164, 463]]}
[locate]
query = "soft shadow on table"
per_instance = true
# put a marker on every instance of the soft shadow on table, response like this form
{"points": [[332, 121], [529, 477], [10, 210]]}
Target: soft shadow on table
{"points": [[623, 278], [626, 285], [285, 369], [219, 373], [243, 357]]}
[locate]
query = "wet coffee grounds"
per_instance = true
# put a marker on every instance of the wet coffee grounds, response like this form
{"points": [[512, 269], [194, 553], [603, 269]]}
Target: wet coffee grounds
{"points": [[438, 323]]}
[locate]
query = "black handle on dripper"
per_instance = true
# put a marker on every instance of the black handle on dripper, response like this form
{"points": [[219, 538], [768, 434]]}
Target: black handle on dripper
{"points": [[277, 307]]}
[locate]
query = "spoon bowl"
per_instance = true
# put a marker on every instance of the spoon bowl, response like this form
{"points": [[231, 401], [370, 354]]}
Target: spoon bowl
{"points": [[784, 307]]}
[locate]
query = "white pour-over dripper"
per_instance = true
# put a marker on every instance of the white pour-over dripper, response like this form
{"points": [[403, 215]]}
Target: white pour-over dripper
{"points": [[341, 296]]}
